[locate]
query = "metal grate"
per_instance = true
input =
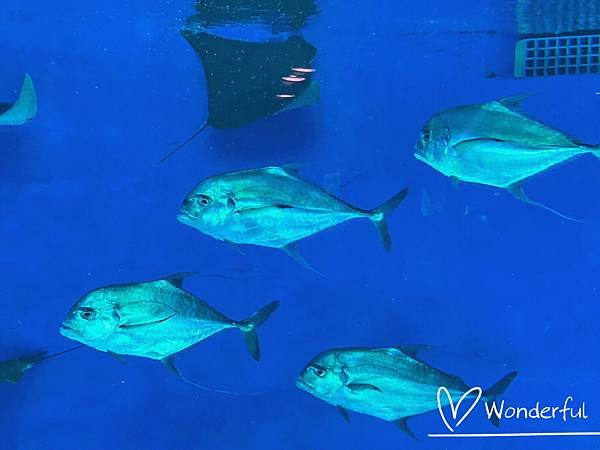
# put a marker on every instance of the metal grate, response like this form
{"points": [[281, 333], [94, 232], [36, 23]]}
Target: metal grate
{"points": [[545, 17], [557, 55]]}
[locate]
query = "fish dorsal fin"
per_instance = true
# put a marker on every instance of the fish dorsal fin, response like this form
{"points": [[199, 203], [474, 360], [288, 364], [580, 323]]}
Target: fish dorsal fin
{"points": [[177, 279], [287, 170], [550, 136], [513, 103], [292, 169], [411, 350]]}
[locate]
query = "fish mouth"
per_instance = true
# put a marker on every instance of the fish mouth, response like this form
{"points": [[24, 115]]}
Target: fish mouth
{"points": [[184, 217], [300, 383], [67, 331]]}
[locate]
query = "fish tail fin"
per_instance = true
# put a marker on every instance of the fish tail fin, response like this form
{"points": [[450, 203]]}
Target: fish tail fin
{"points": [[25, 108], [379, 217], [249, 326], [596, 151], [184, 143], [490, 395]]}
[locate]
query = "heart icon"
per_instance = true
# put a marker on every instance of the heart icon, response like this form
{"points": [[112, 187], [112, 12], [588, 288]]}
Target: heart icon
{"points": [[454, 408]]}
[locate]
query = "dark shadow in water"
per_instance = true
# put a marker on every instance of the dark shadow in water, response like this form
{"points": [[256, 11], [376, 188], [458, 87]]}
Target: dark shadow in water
{"points": [[245, 80]]}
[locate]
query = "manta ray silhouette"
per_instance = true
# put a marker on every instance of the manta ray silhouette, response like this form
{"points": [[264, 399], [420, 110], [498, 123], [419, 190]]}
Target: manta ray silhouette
{"points": [[248, 81]]}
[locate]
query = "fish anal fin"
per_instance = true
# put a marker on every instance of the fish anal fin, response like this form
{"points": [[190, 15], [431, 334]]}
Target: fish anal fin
{"points": [[403, 425], [344, 412], [116, 356], [235, 246], [169, 363], [517, 191], [292, 250]]}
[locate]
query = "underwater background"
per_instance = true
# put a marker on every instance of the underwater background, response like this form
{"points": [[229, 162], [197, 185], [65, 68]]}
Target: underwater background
{"points": [[492, 283]]}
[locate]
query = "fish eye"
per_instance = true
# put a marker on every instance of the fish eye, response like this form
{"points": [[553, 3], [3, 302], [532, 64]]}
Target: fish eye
{"points": [[87, 313], [203, 199], [318, 371], [426, 135]]}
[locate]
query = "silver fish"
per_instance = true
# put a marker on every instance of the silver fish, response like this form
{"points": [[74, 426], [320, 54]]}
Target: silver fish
{"points": [[273, 207], [153, 319], [494, 144], [388, 383]]}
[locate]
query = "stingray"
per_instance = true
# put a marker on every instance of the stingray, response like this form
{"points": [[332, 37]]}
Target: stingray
{"points": [[12, 370], [248, 81], [24, 109], [280, 15]]}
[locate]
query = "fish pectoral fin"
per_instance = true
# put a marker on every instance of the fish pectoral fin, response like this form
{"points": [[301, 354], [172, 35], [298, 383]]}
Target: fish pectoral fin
{"points": [[116, 356], [403, 425], [517, 191], [362, 387], [344, 412], [144, 313]]}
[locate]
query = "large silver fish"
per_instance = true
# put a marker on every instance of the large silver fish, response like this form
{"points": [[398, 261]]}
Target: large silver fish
{"points": [[388, 383], [153, 319], [24, 109], [272, 207], [494, 144]]}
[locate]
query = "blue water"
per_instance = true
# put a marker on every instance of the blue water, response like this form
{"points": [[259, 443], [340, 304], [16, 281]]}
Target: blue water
{"points": [[492, 283]]}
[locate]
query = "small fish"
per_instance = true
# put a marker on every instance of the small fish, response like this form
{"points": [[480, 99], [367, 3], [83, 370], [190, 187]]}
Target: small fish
{"points": [[388, 383], [273, 207], [494, 144], [293, 79], [303, 69], [285, 96], [24, 109], [13, 370], [153, 319]]}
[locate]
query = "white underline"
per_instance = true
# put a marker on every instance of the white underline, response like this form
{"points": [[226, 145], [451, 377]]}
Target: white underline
{"points": [[496, 435]]}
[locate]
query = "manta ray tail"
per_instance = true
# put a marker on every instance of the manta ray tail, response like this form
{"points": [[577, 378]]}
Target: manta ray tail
{"points": [[248, 327], [379, 217], [490, 395], [183, 144], [517, 192], [42, 356]]}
